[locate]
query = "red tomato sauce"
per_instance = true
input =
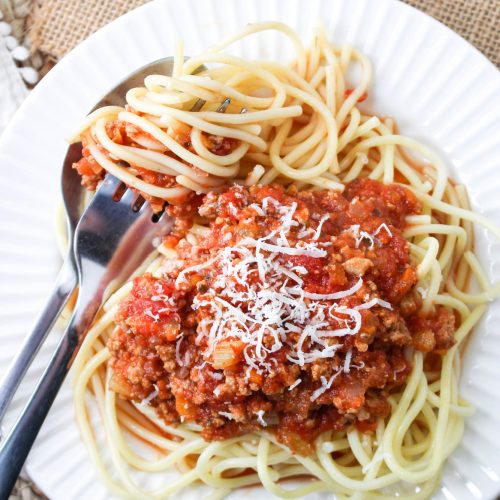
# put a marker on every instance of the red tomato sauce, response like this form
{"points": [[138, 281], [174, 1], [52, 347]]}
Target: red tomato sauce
{"points": [[163, 352], [127, 134]]}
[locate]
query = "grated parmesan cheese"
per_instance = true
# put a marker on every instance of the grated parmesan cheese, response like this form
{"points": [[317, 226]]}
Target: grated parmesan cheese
{"points": [[154, 394], [385, 228], [325, 385], [275, 311], [260, 418], [375, 302], [317, 233], [155, 317], [227, 414], [330, 296], [233, 209], [295, 384], [359, 236], [347, 361]]}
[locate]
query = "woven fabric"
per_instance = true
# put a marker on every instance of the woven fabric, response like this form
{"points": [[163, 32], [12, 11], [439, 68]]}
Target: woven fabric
{"points": [[58, 25], [26, 490], [478, 21]]}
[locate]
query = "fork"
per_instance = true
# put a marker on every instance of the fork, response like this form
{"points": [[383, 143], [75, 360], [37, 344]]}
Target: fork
{"points": [[111, 240], [67, 279], [63, 288]]}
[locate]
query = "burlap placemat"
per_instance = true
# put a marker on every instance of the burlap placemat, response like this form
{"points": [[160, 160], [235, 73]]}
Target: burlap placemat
{"points": [[478, 21], [56, 26]]}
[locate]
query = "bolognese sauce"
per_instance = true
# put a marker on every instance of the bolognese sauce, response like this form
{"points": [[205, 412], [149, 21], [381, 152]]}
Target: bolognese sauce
{"points": [[296, 313], [127, 134]]}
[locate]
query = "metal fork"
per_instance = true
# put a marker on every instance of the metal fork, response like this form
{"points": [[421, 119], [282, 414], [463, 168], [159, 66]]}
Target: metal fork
{"points": [[72, 194], [111, 240]]}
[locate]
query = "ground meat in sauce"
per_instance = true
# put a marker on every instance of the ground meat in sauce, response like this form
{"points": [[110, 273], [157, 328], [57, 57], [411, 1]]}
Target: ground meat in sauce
{"points": [[156, 345]]}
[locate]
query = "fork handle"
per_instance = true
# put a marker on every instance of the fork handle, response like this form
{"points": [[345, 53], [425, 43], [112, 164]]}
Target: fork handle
{"points": [[64, 287], [16, 446]]}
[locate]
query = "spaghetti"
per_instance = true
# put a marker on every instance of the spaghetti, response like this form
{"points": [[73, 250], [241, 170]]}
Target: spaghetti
{"points": [[320, 188]]}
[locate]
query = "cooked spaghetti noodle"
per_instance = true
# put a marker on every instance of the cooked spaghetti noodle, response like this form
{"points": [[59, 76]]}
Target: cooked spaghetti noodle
{"points": [[302, 129]]}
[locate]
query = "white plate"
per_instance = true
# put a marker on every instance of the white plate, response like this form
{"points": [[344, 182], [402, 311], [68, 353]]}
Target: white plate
{"points": [[441, 91]]}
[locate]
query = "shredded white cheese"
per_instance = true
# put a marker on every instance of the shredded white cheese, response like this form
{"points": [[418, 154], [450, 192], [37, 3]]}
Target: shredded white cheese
{"points": [[154, 394], [325, 385], [375, 302], [359, 236], [330, 296], [260, 418], [180, 362], [232, 209], [226, 414], [385, 228], [258, 297], [317, 233], [347, 361], [155, 317]]}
